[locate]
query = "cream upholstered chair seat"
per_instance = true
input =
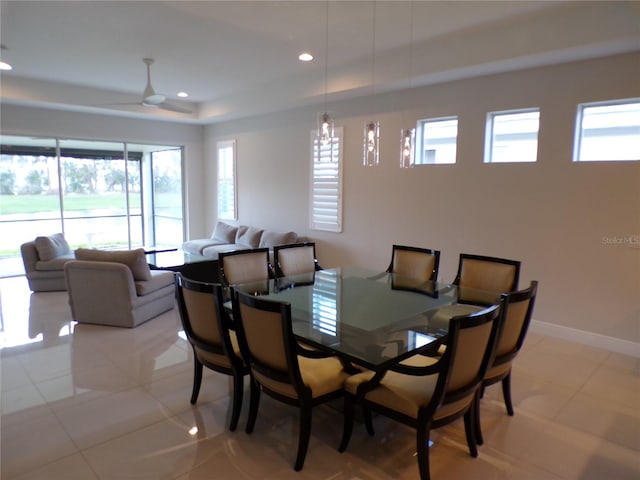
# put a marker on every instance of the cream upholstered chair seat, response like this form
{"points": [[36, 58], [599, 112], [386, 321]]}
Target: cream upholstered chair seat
{"points": [[402, 393], [321, 375]]}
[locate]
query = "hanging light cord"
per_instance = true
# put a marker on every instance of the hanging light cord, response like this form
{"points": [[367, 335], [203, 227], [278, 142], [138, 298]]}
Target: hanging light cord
{"points": [[326, 54], [411, 47], [373, 52]]}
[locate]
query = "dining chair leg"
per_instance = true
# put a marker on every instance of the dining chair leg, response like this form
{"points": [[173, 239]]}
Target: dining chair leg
{"points": [[476, 421], [238, 393], [348, 417], [197, 379], [368, 421], [422, 447], [470, 431], [254, 403], [506, 393], [304, 435]]}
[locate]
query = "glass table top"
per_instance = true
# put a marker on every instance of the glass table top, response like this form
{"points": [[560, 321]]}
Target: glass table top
{"points": [[368, 317]]}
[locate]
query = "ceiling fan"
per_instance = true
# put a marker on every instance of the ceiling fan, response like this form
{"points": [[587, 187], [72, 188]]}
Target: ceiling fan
{"points": [[151, 99]]}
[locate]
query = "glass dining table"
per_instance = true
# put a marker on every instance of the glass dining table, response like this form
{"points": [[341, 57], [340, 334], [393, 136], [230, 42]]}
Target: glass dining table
{"points": [[369, 318]]}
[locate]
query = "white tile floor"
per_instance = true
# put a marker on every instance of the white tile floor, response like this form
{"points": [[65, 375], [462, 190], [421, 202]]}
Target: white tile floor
{"points": [[87, 402]]}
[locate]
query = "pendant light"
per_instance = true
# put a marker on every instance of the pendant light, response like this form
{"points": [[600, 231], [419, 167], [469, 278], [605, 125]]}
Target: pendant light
{"points": [[408, 135], [371, 147], [326, 125]]}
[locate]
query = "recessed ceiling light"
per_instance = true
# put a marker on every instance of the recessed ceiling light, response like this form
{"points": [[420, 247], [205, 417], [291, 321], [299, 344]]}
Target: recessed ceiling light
{"points": [[305, 57], [183, 94]]}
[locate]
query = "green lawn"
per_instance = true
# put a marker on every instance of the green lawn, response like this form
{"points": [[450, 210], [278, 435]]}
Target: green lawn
{"points": [[13, 204]]}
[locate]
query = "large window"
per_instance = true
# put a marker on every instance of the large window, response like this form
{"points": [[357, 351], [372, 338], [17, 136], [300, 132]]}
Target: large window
{"points": [[326, 183], [436, 141], [608, 131], [227, 183], [99, 194], [512, 136]]}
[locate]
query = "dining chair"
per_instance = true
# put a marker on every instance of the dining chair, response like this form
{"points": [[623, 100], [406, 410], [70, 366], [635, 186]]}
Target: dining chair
{"points": [[214, 343], [244, 266], [414, 262], [279, 367], [295, 258], [427, 392], [518, 308]]}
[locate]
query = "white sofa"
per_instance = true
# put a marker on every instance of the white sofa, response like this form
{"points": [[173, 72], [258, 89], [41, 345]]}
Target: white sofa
{"points": [[227, 238]]}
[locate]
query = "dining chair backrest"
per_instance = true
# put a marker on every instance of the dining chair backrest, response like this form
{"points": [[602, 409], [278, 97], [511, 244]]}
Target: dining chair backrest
{"points": [[200, 313], [517, 317], [489, 274], [414, 262], [295, 258], [268, 342], [244, 266], [470, 347], [518, 308]]}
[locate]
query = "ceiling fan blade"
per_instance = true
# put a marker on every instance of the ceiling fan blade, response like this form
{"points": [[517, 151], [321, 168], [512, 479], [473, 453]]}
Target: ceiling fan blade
{"points": [[118, 104], [173, 108]]}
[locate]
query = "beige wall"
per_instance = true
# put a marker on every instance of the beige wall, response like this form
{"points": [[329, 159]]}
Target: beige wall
{"points": [[552, 215]]}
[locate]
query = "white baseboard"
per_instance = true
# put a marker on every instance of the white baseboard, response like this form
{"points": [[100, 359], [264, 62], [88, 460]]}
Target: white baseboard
{"points": [[612, 344]]}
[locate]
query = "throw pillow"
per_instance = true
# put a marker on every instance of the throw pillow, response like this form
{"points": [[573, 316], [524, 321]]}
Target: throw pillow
{"points": [[250, 237], [242, 229], [134, 259], [51, 247], [224, 233], [271, 239]]}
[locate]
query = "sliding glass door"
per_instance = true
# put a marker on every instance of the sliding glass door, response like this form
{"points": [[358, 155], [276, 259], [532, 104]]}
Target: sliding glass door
{"points": [[100, 194]]}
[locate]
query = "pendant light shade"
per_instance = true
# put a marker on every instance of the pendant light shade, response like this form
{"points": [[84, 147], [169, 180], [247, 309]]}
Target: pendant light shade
{"points": [[371, 149], [407, 147], [326, 128]]}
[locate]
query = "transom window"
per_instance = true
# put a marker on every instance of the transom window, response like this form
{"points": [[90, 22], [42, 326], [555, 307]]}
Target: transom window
{"points": [[608, 131], [512, 136], [436, 141]]}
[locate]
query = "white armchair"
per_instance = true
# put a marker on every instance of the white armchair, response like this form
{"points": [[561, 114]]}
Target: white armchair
{"points": [[117, 288]]}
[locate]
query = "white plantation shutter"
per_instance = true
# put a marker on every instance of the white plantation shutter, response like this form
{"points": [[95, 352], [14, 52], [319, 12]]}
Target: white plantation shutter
{"points": [[326, 183]]}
